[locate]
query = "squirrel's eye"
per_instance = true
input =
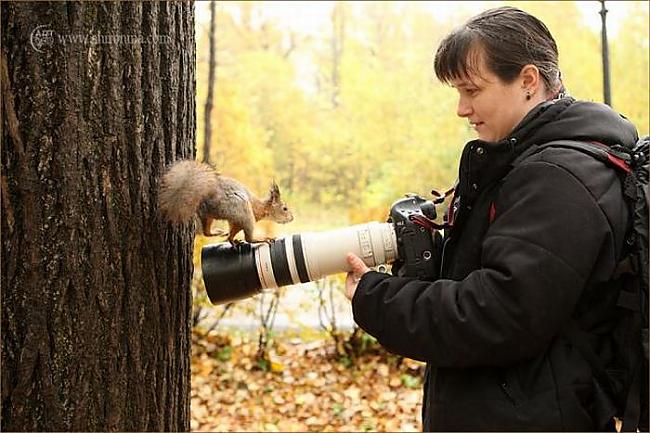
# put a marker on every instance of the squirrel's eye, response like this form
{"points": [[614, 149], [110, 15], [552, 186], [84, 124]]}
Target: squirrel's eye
{"points": [[284, 208]]}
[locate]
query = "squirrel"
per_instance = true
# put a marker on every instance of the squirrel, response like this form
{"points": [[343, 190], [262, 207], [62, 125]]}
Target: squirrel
{"points": [[191, 188]]}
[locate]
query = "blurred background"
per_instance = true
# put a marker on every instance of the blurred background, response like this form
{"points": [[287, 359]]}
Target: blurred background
{"points": [[337, 101]]}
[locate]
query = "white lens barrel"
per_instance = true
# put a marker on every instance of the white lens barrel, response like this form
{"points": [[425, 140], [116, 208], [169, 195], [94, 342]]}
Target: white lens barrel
{"points": [[325, 252], [309, 256]]}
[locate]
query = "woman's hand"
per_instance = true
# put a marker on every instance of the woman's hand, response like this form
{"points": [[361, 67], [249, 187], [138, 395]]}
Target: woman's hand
{"points": [[358, 269]]}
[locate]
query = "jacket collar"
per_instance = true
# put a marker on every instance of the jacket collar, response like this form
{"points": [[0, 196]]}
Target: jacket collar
{"points": [[484, 163]]}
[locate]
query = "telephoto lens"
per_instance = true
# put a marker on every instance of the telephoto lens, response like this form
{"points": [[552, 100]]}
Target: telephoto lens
{"points": [[236, 272]]}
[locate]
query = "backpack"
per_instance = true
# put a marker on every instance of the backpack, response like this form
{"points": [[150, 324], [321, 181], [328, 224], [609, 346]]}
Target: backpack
{"points": [[622, 384]]}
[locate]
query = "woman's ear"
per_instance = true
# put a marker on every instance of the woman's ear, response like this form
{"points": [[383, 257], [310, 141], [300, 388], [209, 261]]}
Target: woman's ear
{"points": [[531, 80]]}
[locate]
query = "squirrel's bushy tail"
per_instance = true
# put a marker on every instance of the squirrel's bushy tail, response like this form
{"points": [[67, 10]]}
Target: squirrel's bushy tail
{"points": [[185, 185]]}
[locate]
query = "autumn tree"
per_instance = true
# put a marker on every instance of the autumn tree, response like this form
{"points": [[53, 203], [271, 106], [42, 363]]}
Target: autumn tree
{"points": [[212, 68], [97, 99], [393, 128], [630, 66]]}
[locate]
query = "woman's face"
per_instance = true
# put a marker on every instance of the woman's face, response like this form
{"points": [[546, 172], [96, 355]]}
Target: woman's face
{"points": [[493, 107]]}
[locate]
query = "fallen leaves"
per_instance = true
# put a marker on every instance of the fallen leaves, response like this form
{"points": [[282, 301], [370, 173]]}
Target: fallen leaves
{"points": [[303, 387]]}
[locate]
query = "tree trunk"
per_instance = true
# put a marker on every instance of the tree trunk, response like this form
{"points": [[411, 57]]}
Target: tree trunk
{"points": [[212, 69], [96, 303]]}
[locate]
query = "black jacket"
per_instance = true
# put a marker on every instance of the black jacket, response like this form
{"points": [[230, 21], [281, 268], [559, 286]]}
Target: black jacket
{"points": [[531, 247]]}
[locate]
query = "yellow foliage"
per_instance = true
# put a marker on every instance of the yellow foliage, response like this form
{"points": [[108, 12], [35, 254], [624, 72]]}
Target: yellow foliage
{"points": [[348, 133]]}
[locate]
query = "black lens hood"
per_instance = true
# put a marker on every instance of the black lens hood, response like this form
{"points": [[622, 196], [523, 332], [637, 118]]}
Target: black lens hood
{"points": [[229, 273]]}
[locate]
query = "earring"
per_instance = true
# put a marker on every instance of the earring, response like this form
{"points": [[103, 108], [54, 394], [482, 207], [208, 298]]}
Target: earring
{"points": [[528, 95]]}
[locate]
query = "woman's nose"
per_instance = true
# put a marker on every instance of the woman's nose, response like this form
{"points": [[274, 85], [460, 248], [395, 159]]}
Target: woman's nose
{"points": [[464, 108]]}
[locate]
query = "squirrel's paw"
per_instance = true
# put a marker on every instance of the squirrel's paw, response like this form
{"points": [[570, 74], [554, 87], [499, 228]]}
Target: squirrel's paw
{"points": [[264, 240]]}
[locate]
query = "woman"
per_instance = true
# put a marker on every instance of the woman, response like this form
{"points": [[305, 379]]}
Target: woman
{"points": [[535, 237]]}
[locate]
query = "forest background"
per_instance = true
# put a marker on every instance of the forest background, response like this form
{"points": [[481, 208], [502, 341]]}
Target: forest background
{"points": [[345, 114]]}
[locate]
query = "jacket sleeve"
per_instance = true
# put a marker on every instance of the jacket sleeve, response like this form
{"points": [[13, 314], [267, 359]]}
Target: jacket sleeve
{"points": [[536, 258]]}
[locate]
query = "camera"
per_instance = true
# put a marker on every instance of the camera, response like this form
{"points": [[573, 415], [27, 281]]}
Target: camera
{"points": [[409, 240]]}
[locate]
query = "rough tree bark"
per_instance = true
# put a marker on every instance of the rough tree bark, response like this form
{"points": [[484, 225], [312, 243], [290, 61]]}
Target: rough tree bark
{"points": [[96, 302]]}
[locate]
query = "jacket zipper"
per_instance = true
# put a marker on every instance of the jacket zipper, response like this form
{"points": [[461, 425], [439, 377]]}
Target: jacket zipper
{"points": [[442, 259], [455, 208]]}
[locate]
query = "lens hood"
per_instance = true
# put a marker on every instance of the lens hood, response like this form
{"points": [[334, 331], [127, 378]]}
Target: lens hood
{"points": [[229, 273]]}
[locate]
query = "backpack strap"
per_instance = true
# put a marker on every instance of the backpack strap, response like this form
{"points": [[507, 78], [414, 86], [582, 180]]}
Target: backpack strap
{"points": [[615, 156]]}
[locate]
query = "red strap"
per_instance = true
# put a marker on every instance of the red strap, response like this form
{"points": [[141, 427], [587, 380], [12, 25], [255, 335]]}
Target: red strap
{"points": [[493, 213], [428, 224], [618, 162]]}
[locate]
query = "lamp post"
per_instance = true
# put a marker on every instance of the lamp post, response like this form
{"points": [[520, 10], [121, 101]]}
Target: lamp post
{"points": [[606, 81]]}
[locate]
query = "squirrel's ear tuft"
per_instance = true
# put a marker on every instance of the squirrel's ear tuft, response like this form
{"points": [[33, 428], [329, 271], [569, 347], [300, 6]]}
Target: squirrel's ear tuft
{"points": [[275, 190]]}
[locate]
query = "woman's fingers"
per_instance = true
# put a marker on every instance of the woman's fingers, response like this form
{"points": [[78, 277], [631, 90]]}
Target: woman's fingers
{"points": [[357, 265], [352, 279]]}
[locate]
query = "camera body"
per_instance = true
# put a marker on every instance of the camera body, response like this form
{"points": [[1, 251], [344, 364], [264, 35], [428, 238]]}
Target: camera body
{"points": [[419, 250]]}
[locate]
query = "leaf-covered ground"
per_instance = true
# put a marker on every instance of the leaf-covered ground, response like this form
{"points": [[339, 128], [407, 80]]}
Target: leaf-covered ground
{"points": [[300, 386]]}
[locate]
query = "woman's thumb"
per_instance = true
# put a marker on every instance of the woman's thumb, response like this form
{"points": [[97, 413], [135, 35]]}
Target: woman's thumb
{"points": [[356, 263]]}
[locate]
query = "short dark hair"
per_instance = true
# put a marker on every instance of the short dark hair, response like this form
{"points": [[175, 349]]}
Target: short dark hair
{"points": [[509, 38]]}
